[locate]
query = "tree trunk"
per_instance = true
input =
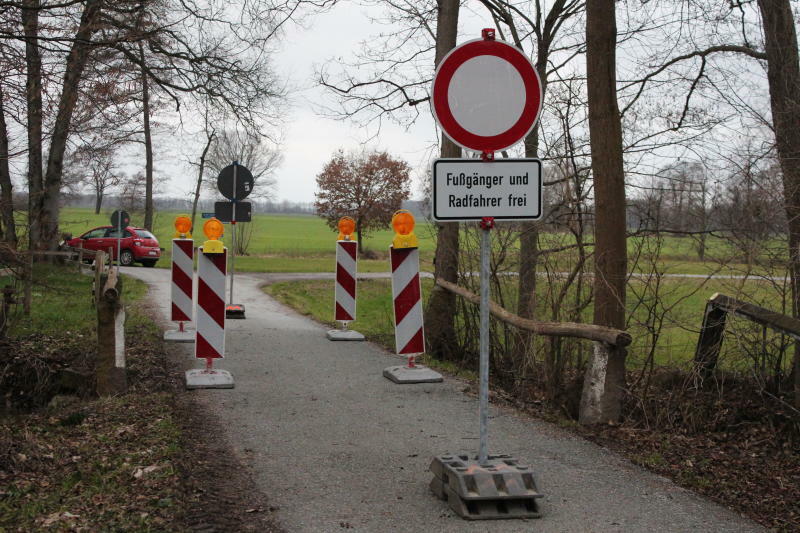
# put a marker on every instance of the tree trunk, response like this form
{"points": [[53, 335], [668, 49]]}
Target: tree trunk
{"points": [[440, 314], [528, 248], [529, 234], [605, 131], [76, 62], [6, 187], [33, 95], [148, 147], [98, 201], [200, 173], [783, 74], [358, 239], [529, 239]]}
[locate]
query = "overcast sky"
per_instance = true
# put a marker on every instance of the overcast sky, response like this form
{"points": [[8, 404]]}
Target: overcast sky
{"points": [[310, 138]]}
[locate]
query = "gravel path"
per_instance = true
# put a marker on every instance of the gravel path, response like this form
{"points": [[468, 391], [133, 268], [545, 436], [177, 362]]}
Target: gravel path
{"points": [[336, 446]]}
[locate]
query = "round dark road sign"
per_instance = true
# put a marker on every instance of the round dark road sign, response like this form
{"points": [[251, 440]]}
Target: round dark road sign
{"points": [[120, 219], [244, 182], [486, 95]]}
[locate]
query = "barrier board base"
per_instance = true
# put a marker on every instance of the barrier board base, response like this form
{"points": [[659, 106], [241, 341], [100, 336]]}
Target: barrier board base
{"points": [[344, 335], [235, 311], [502, 488], [175, 335], [419, 374], [200, 378]]}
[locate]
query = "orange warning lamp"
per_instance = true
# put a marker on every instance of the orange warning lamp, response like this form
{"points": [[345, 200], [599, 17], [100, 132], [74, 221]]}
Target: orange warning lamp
{"points": [[403, 224], [183, 227], [346, 228], [213, 229]]}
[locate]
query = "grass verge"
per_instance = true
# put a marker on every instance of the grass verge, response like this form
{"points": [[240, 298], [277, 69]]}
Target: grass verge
{"points": [[83, 464]]}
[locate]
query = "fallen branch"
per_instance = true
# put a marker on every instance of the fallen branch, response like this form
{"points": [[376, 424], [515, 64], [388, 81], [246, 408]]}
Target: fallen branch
{"points": [[611, 336]]}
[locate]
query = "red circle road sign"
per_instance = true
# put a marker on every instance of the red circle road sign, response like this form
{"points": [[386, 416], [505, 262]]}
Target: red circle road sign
{"points": [[486, 95]]}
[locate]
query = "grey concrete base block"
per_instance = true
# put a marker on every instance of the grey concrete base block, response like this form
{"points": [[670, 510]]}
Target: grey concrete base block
{"points": [[200, 378], [174, 335], [344, 335], [501, 488], [419, 374]]}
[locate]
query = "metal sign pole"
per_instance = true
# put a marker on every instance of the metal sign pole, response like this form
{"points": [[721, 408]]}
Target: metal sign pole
{"points": [[119, 238], [483, 407], [233, 223]]}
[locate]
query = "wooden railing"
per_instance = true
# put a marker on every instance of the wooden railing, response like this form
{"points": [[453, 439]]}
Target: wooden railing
{"points": [[714, 321], [600, 398], [611, 336]]}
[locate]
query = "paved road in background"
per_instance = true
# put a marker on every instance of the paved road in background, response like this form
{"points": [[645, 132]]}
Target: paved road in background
{"points": [[272, 277], [336, 446]]}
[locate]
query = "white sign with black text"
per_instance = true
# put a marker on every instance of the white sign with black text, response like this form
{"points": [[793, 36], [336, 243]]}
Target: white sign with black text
{"points": [[471, 189]]}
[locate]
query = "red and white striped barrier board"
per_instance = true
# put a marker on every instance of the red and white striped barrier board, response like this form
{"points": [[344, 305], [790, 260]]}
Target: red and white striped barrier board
{"points": [[210, 337], [409, 335], [345, 290], [182, 279]]}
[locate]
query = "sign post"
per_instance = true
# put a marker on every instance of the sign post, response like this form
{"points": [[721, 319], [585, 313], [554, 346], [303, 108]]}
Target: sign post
{"points": [[344, 293], [120, 220], [182, 293], [486, 97], [235, 182]]}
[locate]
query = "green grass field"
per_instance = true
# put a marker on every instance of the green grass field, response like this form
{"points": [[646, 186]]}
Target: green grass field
{"points": [[297, 243], [681, 303], [280, 243], [56, 289]]}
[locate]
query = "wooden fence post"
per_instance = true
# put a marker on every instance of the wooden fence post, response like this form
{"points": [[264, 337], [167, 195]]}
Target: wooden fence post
{"points": [[99, 267], [110, 375], [710, 341]]}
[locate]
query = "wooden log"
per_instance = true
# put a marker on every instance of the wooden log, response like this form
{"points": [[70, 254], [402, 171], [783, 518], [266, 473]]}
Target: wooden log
{"points": [[777, 321], [610, 336], [110, 377]]}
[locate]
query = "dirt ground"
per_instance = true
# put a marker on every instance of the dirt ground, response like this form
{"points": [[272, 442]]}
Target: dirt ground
{"points": [[143, 461]]}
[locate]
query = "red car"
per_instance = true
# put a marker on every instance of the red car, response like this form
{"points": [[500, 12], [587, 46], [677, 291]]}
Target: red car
{"points": [[136, 246]]}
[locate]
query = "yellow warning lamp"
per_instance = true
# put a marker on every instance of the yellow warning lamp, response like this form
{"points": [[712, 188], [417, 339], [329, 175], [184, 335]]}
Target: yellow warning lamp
{"points": [[183, 227], [346, 228], [403, 224], [213, 229]]}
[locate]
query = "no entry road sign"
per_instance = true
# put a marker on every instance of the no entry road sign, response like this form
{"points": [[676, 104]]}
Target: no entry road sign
{"points": [[471, 189], [486, 95]]}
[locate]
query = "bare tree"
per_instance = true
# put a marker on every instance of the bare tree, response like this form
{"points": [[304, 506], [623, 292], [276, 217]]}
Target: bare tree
{"points": [[440, 313], [261, 156], [783, 74], [95, 166], [6, 186], [210, 135], [605, 128]]}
